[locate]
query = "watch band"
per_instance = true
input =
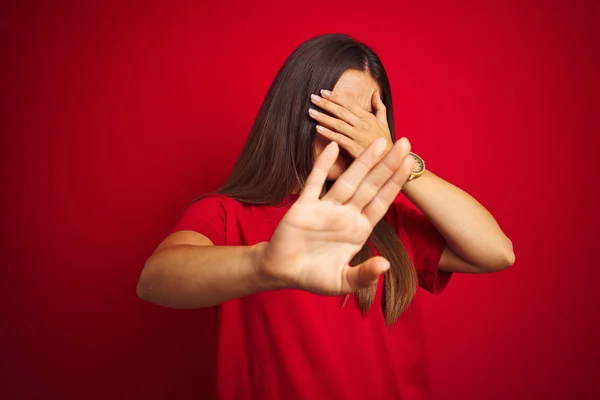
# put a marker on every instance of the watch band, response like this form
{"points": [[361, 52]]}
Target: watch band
{"points": [[419, 167]]}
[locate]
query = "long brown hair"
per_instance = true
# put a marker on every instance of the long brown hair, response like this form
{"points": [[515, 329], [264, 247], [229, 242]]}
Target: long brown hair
{"points": [[279, 153]]}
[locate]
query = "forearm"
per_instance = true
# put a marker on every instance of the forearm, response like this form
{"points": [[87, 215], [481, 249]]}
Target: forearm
{"points": [[186, 276], [471, 232]]}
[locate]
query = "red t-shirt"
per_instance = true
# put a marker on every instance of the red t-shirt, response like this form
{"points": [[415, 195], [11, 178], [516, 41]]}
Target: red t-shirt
{"points": [[291, 344]]}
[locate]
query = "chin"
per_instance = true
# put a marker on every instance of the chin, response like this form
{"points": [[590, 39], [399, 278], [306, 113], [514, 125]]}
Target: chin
{"points": [[341, 165]]}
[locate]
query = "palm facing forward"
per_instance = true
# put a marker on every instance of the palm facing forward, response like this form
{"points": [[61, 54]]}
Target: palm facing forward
{"points": [[317, 238]]}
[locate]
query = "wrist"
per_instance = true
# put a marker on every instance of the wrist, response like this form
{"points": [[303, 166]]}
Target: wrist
{"points": [[262, 279], [409, 185]]}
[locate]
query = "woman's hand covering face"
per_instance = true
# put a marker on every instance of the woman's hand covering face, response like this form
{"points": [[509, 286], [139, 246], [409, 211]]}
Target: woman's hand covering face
{"points": [[348, 124]]}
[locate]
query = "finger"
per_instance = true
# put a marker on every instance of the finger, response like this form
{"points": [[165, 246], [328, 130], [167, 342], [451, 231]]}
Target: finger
{"points": [[337, 125], [336, 110], [379, 107], [363, 275], [344, 141], [345, 102], [380, 174], [345, 186], [377, 208], [317, 177]]}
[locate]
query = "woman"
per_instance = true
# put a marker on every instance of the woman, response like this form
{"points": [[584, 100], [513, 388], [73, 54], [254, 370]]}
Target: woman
{"points": [[311, 263]]}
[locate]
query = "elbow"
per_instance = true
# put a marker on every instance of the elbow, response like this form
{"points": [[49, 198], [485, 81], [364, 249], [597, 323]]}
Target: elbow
{"points": [[505, 258], [145, 286], [506, 261], [509, 254], [509, 258], [142, 290]]}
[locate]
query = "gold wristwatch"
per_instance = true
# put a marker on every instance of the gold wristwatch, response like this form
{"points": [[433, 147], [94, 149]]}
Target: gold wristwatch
{"points": [[419, 167]]}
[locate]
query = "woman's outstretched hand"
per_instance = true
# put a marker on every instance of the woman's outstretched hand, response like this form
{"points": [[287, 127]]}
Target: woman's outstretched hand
{"points": [[317, 238]]}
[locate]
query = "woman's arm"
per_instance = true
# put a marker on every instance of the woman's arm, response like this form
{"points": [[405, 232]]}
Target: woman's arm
{"points": [[475, 241], [309, 250], [187, 271]]}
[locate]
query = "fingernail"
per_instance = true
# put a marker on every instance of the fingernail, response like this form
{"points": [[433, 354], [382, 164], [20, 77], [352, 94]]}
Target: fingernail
{"points": [[315, 98], [325, 93], [320, 128], [313, 112]]}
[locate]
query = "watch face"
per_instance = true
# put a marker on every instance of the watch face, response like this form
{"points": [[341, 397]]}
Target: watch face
{"points": [[419, 164]]}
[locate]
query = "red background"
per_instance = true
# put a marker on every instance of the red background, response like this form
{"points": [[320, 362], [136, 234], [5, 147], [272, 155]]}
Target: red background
{"points": [[114, 116]]}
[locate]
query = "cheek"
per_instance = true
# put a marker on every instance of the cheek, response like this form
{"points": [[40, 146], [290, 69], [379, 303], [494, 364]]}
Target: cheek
{"points": [[341, 164], [320, 144]]}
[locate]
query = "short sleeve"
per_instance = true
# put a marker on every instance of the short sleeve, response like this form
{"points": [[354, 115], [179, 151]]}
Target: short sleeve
{"points": [[206, 216], [427, 247]]}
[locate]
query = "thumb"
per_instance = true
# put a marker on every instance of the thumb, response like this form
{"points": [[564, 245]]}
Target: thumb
{"points": [[364, 275], [379, 107]]}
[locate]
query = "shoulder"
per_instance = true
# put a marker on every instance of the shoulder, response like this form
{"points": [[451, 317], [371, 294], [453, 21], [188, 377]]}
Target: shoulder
{"points": [[214, 198], [225, 207], [209, 216], [213, 202]]}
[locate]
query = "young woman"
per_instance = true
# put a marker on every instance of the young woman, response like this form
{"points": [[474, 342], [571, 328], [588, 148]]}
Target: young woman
{"points": [[310, 262]]}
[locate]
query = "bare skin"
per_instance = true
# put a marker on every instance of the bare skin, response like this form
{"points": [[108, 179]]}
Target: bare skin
{"points": [[476, 243], [188, 271], [310, 249]]}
